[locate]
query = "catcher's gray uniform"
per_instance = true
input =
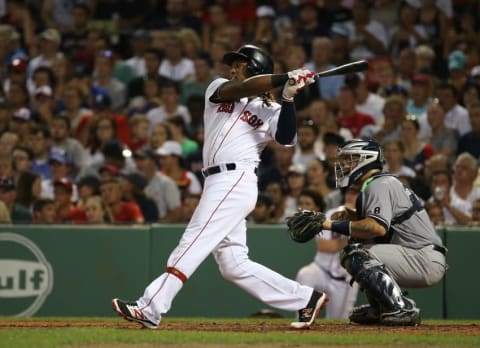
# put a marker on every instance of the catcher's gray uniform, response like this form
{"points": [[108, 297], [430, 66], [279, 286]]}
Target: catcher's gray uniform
{"points": [[412, 251]]}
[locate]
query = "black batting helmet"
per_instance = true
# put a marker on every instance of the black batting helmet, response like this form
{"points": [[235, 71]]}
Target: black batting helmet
{"points": [[258, 61]]}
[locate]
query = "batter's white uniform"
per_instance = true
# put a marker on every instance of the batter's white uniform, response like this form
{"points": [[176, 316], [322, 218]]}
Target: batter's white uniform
{"points": [[326, 274], [235, 132]]}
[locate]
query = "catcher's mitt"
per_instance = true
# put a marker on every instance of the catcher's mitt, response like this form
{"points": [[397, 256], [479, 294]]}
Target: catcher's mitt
{"points": [[304, 225]]}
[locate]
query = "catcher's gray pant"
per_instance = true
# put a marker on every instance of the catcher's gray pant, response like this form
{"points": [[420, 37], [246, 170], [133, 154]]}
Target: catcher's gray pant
{"points": [[342, 295], [411, 268]]}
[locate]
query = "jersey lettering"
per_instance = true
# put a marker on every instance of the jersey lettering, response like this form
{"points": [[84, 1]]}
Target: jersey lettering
{"points": [[376, 210], [252, 120], [226, 107]]}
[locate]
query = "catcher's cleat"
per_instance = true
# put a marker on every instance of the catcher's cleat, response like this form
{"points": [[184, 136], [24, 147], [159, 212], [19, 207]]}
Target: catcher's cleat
{"points": [[402, 317], [307, 315], [365, 315], [131, 312]]}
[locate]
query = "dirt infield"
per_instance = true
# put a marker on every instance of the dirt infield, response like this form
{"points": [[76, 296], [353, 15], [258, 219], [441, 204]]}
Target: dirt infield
{"points": [[267, 326]]}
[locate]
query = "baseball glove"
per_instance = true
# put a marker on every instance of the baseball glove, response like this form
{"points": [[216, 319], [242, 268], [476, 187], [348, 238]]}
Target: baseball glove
{"points": [[304, 225]]}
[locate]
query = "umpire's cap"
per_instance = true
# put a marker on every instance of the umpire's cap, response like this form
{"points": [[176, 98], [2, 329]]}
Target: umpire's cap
{"points": [[258, 60]]}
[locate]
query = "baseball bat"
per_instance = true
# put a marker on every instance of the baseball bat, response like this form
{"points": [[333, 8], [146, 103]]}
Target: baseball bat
{"points": [[358, 66]]}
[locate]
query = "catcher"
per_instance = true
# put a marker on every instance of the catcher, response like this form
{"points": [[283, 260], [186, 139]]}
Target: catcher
{"points": [[392, 244]]}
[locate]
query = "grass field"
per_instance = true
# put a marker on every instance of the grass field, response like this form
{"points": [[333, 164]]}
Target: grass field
{"points": [[232, 333]]}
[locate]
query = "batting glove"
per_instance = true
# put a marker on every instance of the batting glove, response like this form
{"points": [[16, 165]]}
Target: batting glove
{"points": [[297, 81]]}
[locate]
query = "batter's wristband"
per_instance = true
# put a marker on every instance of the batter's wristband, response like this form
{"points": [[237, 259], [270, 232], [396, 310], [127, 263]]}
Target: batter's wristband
{"points": [[279, 80], [342, 227]]}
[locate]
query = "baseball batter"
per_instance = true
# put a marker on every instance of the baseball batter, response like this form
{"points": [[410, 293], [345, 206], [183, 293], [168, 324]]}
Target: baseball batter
{"points": [[240, 118], [393, 242]]}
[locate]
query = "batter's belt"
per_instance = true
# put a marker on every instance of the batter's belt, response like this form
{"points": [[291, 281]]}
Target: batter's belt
{"points": [[221, 168]]}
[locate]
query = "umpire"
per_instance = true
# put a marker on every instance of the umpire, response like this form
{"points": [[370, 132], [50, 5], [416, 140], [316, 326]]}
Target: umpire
{"points": [[393, 243]]}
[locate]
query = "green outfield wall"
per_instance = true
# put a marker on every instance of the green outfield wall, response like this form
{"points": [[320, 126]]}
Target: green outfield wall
{"points": [[76, 270]]}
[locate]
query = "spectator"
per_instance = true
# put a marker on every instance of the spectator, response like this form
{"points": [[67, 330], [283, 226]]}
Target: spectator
{"points": [[328, 87], [437, 162], [44, 211], [122, 212], [18, 213], [108, 171], [43, 104], [435, 212], [471, 94], [419, 97], [171, 164], [61, 168], [87, 186], [160, 187], [133, 186], [139, 126], [22, 158], [317, 172], [309, 25], [475, 213], [407, 33], [469, 141], [104, 65], [170, 106], [456, 116], [176, 66], [296, 182], [279, 170], [424, 59], [444, 140], [96, 211], [325, 273], [21, 123], [49, 45], [149, 99], [416, 152], [262, 213], [152, 57], [197, 85], [74, 38], [265, 28], [140, 41], [367, 37], [457, 72], [307, 133], [66, 212], [189, 205], [192, 43], [103, 130], [366, 102], [179, 133], [276, 192], [29, 188], [17, 73], [160, 134], [118, 155], [39, 142], [465, 171], [393, 116], [348, 116], [394, 154], [454, 209], [63, 142], [75, 111]]}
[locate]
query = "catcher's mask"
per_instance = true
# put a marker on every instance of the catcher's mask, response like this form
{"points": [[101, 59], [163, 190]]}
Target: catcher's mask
{"points": [[355, 158], [258, 60]]}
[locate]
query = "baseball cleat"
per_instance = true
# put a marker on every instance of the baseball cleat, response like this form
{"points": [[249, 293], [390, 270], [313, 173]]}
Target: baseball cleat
{"points": [[131, 312], [365, 315], [402, 317], [307, 315]]}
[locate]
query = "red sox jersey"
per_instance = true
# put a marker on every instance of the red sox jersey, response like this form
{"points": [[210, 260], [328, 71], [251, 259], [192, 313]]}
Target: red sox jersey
{"points": [[237, 131]]}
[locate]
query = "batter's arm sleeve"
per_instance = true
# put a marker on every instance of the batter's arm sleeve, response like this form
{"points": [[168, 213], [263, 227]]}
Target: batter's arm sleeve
{"points": [[287, 124]]}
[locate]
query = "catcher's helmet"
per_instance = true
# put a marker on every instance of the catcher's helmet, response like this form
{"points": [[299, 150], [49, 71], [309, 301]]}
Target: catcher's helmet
{"points": [[355, 158], [258, 60]]}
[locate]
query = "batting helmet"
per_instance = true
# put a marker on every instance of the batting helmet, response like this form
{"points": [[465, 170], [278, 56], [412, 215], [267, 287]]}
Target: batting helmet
{"points": [[354, 159], [258, 61]]}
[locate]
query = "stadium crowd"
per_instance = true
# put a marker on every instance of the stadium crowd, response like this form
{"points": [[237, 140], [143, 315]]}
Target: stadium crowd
{"points": [[101, 102]]}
